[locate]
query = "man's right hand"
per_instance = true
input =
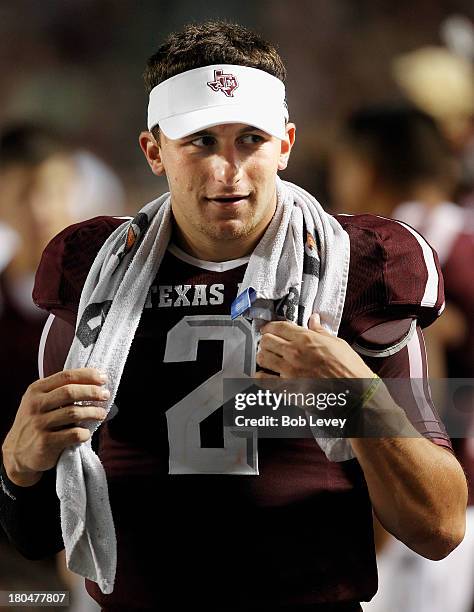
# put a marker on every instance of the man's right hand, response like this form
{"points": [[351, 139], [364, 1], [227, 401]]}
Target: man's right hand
{"points": [[47, 422]]}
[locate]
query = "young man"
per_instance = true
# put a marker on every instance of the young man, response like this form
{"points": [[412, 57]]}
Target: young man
{"points": [[197, 522]]}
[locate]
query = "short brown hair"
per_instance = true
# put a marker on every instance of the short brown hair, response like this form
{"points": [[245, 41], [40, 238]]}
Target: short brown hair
{"points": [[211, 42]]}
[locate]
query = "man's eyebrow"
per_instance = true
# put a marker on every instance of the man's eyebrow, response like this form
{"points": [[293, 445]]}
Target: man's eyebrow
{"points": [[201, 133], [209, 131], [250, 128]]}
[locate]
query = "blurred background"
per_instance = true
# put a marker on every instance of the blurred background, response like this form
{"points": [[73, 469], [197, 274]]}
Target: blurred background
{"points": [[382, 95], [77, 65]]}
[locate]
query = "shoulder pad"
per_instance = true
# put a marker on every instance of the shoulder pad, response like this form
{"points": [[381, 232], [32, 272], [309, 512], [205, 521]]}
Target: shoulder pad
{"points": [[65, 264], [394, 274]]}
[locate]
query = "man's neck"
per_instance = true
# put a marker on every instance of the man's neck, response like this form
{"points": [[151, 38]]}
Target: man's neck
{"points": [[222, 250], [205, 247]]}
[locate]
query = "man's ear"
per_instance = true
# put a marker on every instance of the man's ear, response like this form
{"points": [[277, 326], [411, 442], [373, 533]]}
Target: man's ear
{"points": [[152, 151], [286, 146]]}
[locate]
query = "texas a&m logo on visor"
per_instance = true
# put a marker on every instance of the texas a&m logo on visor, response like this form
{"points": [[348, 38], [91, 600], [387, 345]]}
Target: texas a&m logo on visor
{"points": [[223, 82]]}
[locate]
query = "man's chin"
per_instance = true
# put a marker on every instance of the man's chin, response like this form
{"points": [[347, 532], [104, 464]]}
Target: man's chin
{"points": [[231, 229]]}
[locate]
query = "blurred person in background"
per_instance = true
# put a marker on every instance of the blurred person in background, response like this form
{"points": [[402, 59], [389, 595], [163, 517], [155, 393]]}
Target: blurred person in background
{"points": [[439, 80], [45, 186], [393, 161], [29, 221]]}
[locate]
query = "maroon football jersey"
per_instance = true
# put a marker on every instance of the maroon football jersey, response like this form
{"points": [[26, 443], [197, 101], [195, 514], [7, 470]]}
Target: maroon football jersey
{"points": [[203, 522]]}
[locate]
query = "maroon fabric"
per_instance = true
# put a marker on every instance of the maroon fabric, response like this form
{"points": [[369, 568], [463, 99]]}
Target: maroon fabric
{"points": [[384, 334], [387, 275], [299, 533], [65, 264], [58, 342]]}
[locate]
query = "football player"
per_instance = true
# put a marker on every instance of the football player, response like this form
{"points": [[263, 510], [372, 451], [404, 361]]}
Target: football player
{"points": [[297, 533]]}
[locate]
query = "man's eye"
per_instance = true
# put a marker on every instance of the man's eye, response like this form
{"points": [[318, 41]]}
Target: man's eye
{"points": [[252, 139], [204, 141]]}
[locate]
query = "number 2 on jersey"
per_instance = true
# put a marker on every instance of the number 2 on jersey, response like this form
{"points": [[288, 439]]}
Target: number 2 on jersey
{"points": [[239, 454]]}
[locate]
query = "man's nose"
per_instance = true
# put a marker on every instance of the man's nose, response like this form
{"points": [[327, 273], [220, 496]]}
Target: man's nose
{"points": [[227, 167]]}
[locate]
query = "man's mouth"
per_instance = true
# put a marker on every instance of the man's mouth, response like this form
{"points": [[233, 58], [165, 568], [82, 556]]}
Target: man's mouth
{"points": [[229, 200]]}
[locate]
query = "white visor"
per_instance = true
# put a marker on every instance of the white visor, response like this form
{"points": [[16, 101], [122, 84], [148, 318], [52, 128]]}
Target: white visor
{"points": [[212, 95]]}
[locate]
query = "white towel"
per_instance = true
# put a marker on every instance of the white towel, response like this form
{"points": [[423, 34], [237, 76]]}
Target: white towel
{"points": [[309, 272]]}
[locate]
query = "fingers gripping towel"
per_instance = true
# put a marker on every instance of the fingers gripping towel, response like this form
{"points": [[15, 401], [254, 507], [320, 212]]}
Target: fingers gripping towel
{"points": [[308, 272]]}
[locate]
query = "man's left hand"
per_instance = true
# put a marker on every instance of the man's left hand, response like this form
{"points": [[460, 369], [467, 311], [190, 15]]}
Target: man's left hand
{"points": [[292, 351]]}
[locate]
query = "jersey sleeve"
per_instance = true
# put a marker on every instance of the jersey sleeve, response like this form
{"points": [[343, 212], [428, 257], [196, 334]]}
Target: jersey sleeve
{"points": [[65, 264], [30, 516], [55, 343], [394, 274], [398, 355]]}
